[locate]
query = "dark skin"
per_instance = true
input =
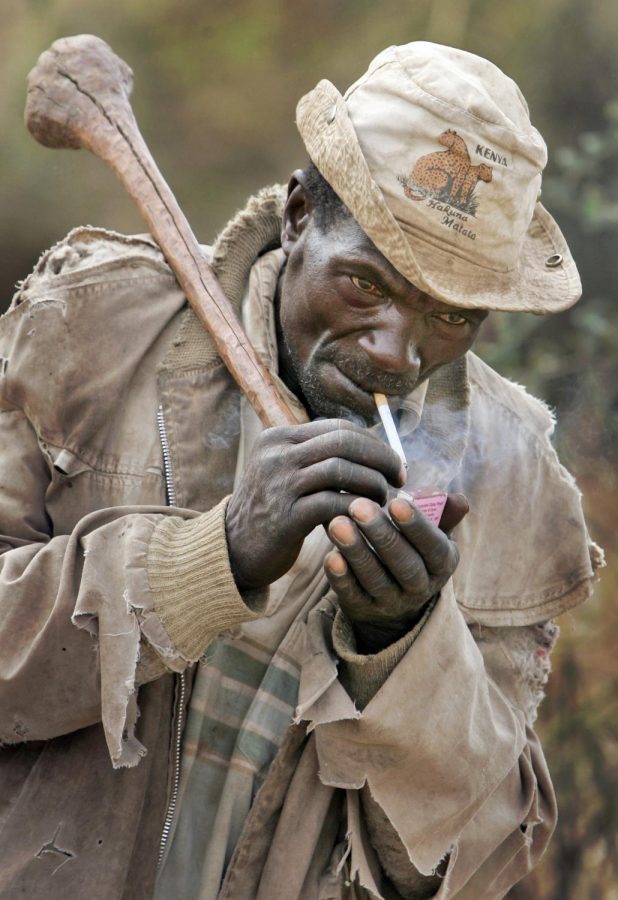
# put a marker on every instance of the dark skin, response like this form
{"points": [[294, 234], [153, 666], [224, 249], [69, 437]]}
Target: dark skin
{"points": [[349, 324]]}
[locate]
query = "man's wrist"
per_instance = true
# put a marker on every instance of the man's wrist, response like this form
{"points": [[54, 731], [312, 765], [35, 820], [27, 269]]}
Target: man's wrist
{"points": [[373, 637], [194, 593], [362, 675]]}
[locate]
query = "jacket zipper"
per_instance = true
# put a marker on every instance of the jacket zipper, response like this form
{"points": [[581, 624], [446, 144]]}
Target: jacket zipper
{"points": [[167, 459], [178, 726], [181, 682]]}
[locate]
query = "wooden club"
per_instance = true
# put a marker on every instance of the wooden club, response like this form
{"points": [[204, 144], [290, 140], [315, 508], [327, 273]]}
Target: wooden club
{"points": [[78, 96]]}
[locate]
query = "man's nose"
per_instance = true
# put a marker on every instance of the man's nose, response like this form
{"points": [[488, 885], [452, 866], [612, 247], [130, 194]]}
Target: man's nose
{"points": [[393, 350]]}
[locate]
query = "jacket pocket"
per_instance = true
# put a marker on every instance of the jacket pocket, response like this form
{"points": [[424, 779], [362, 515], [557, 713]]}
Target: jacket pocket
{"points": [[77, 488]]}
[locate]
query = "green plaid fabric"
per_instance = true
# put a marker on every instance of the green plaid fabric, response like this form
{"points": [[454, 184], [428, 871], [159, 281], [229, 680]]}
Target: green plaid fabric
{"points": [[241, 705], [244, 697]]}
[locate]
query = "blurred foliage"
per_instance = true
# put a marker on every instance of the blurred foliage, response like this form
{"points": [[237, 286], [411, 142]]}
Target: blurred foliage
{"points": [[216, 86], [570, 360]]}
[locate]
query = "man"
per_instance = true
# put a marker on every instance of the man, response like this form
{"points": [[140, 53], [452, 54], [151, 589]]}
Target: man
{"points": [[361, 723]]}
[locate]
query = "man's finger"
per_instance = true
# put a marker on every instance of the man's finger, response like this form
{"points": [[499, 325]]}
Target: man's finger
{"points": [[370, 573], [355, 446], [337, 474], [439, 553], [320, 508], [398, 554], [297, 434], [455, 509], [353, 600]]}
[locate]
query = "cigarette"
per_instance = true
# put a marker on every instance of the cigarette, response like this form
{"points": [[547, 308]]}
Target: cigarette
{"points": [[389, 426]]}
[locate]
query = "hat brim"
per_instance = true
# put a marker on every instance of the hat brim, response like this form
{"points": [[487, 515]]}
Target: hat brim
{"points": [[544, 280]]}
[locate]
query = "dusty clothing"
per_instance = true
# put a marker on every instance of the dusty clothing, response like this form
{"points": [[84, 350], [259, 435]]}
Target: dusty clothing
{"points": [[98, 569]]}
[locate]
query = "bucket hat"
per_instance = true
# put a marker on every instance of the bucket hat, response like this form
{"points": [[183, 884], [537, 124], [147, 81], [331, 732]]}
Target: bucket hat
{"points": [[433, 152]]}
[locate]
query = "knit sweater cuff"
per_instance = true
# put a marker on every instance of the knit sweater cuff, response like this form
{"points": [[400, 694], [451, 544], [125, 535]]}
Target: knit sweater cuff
{"points": [[363, 675], [195, 595]]}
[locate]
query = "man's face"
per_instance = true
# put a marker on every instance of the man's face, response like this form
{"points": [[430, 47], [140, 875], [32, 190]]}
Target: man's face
{"points": [[350, 324]]}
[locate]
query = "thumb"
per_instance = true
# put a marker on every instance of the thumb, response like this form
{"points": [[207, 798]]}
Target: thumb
{"points": [[455, 509]]}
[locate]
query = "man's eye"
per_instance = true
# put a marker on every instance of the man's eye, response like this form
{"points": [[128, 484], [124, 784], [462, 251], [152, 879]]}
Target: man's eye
{"points": [[366, 286], [452, 318]]}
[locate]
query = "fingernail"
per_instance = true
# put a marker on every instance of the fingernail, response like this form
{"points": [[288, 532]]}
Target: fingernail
{"points": [[336, 564], [401, 511], [403, 474], [362, 510], [341, 530]]}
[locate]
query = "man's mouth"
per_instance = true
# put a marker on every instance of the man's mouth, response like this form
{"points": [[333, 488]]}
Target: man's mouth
{"points": [[357, 397], [338, 385], [381, 383], [352, 384]]}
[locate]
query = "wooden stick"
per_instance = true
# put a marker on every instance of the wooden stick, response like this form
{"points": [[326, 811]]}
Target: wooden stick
{"points": [[78, 96]]}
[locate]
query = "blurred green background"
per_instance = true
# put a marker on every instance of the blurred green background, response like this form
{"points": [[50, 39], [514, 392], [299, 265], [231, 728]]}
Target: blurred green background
{"points": [[216, 86]]}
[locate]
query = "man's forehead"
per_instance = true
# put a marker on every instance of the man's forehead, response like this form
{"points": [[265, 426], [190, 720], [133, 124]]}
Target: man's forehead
{"points": [[350, 243], [347, 238]]}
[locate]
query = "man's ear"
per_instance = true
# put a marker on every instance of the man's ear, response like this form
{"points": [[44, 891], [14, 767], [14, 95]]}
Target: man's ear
{"points": [[297, 212]]}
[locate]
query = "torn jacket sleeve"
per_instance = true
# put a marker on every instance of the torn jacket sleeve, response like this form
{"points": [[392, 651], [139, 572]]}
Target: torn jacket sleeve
{"points": [[447, 755], [74, 608]]}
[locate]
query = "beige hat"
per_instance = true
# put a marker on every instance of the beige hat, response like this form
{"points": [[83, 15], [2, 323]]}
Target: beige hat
{"points": [[433, 152]]}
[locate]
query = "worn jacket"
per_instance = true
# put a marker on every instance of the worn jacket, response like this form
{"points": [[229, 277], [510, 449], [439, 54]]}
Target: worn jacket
{"points": [[107, 385]]}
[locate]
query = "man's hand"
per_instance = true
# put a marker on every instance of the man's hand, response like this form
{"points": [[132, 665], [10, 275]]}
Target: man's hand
{"points": [[293, 482], [387, 568]]}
